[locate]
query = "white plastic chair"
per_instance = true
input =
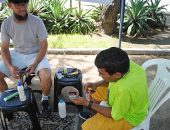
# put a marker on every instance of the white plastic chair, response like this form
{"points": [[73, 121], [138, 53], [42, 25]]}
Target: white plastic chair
{"points": [[158, 90]]}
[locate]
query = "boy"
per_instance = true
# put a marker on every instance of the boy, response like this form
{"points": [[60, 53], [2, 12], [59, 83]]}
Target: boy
{"points": [[127, 93]]}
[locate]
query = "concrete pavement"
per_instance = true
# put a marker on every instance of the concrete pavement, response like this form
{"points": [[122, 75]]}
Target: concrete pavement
{"points": [[160, 120]]}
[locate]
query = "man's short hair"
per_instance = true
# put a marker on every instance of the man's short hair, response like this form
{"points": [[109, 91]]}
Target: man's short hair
{"points": [[113, 60], [18, 1]]}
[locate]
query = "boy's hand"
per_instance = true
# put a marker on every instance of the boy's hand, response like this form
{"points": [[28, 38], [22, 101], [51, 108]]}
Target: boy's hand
{"points": [[89, 87], [80, 101]]}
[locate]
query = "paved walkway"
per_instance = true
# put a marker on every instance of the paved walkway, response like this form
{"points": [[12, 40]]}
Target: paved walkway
{"points": [[160, 121]]}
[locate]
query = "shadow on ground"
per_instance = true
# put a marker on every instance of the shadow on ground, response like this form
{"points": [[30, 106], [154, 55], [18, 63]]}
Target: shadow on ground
{"points": [[159, 38]]}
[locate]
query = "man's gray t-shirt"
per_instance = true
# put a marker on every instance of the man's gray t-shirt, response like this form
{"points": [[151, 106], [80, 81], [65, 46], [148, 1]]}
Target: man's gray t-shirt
{"points": [[25, 36]]}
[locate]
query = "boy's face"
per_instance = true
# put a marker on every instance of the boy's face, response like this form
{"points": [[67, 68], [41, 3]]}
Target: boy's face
{"points": [[107, 77]]}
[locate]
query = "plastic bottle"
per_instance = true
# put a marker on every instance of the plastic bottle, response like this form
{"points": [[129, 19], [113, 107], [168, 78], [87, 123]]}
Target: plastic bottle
{"points": [[62, 108], [11, 96], [21, 92]]}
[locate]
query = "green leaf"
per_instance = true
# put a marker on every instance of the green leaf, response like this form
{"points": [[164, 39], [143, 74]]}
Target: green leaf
{"points": [[131, 30]]}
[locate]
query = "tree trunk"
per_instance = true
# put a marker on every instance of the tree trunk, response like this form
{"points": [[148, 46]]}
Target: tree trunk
{"points": [[110, 17]]}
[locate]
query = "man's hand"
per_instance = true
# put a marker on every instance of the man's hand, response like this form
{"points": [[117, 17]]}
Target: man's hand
{"points": [[14, 71], [30, 69], [80, 101]]}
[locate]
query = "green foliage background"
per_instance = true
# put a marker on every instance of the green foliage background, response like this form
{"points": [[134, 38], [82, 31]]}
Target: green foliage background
{"points": [[139, 18]]}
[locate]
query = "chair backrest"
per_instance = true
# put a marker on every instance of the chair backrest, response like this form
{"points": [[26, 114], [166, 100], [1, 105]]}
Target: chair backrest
{"points": [[158, 90]]}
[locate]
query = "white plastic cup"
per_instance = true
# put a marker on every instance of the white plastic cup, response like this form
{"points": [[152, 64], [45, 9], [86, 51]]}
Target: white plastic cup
{"points": [[104, 103]]}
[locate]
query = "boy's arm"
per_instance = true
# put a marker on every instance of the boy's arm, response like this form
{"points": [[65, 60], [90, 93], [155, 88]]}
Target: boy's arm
{"points": [[94, 85], [105, 111]]}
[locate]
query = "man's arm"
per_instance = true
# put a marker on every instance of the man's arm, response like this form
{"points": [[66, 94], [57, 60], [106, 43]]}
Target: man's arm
{"points": [[42, 52], [6, 54], [7, 59]]}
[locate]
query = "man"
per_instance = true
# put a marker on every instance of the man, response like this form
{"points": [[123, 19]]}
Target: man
{"points": [[29, 37], [127, 93]]}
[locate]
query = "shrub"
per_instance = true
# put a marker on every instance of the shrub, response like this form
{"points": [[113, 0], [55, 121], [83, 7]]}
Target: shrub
{"points": [[4, 12], [81, 23], [97, 12], [56, 16], [59, 19], [142, 15], [36, 6], [157, 13], [136, 17]]}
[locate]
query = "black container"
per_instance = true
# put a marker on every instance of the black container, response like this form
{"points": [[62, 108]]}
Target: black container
{"points": [[74, 80]]}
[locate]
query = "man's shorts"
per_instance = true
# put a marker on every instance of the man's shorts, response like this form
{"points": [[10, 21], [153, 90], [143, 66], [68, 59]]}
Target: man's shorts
{"points": [[21, 61]]}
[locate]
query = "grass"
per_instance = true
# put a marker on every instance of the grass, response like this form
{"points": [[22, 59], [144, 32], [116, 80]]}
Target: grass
{"points": [[63, 41], [80, 41]]}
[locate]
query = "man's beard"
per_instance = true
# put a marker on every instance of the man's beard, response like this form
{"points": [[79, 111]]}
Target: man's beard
{"points": [[21, 18]]}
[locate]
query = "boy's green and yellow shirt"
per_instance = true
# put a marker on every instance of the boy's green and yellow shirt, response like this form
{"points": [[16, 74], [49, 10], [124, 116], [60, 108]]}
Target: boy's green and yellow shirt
{"points": [[128, 96]]}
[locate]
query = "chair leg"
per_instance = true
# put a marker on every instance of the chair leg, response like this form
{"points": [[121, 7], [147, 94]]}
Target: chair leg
{"points": [[33, 116], [147, 125], [3, 121], [35, 104]]}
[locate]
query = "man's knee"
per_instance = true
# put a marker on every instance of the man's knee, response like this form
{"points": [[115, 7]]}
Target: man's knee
{"points": [[45, 75], [3, 85]]}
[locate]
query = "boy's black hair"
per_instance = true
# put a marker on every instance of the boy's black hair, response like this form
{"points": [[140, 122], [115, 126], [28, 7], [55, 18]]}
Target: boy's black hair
{"points": [[18, 1], [113, 60]]}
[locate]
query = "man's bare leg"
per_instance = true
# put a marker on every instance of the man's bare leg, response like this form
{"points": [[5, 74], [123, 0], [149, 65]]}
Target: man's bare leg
{"points": [[45, 84], [3, 84], [45, 81]]}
